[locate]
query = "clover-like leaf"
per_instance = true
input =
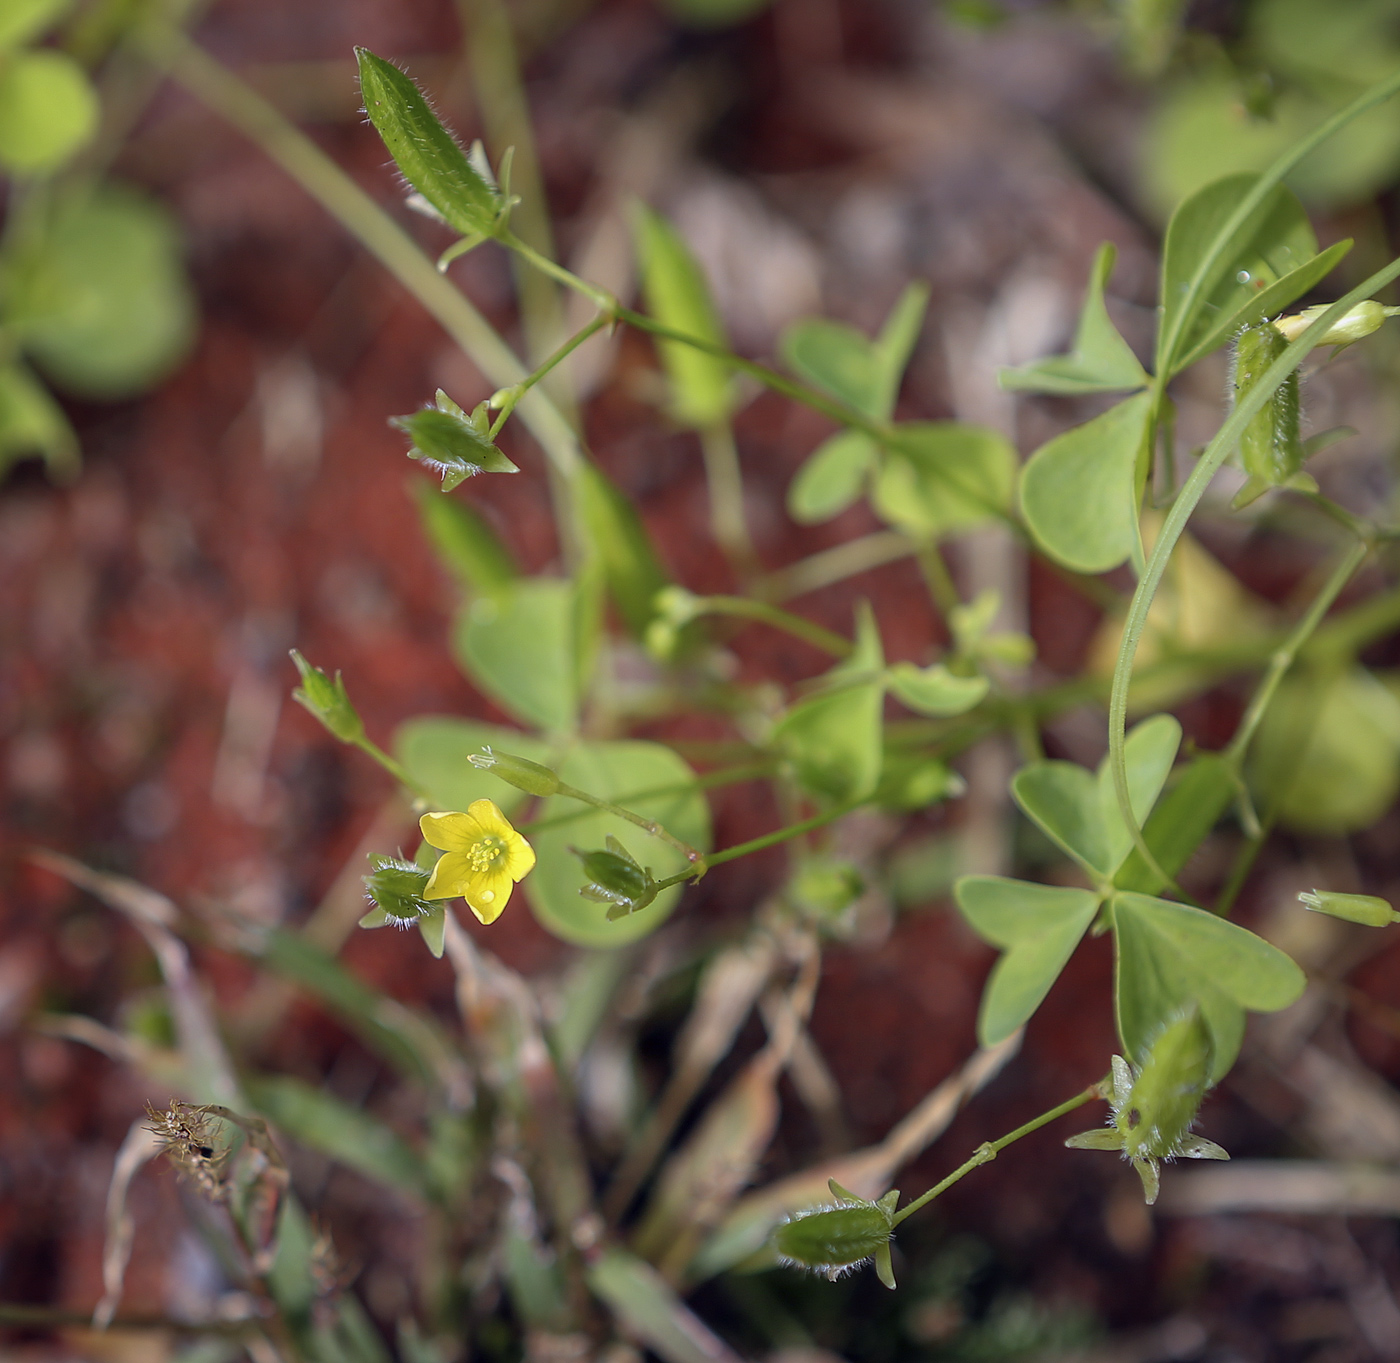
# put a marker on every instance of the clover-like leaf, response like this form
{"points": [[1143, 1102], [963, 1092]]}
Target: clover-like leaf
{"points": [[935, 690]]}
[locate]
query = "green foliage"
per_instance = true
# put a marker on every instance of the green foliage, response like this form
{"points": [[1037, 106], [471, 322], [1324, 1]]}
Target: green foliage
{"points": [[95, 292], [424, 151], [863, 374], [48, 110], [647, 779], [1079, 490], [1101, 361], [833, 738], [521, 649], [630, 564], [1271, 447], [465, 543], [935, 690], [31, 422], [943, 478], [678, 297], [437, 753]]}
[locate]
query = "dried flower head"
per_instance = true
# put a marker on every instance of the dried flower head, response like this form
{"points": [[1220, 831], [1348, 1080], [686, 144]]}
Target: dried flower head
{"points": [[191, 1141]]}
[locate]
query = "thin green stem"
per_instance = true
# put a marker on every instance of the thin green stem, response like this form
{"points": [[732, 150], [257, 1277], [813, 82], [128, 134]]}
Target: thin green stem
{"points": [[695, 858], [989, 1151], [511, 396], [1287, 653], [822, 569], [395, 769], [725, 481], [938, 579], [745, 608]]}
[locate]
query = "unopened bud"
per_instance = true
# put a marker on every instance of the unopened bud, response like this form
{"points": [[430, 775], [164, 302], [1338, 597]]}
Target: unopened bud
{"points": [[677, 605], [835, 1240], [1355, 908], [1351, 326], [327, 700], [395, 888], [515, 771]]}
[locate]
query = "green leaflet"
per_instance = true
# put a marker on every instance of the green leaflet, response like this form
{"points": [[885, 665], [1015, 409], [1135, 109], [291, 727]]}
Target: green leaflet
{"points": [[464, 543], [436, 752], [944, 477], [426, 153], [48, 110], [1170, 956], [1275, 240], [1101, 361], [620, 541], [1037, 927], [1078, 810], [678, 297], [1079, 491], [834, 738]]}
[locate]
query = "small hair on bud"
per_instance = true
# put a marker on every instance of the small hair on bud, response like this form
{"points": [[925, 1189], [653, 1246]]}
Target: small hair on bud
{"points": [[836, 1240]]}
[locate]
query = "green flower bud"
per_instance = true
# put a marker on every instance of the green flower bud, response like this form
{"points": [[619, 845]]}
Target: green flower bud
{"points": [[826, 888], [661, 639], [615, 879], [1355, 325], [453, 444], [519, 772], [326, 699], [395, 888], [677, 605], [1355, 908], [836, 1240]]}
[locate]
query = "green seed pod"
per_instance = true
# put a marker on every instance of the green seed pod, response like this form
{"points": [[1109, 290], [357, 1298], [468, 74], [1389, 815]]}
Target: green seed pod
{"points": [[426, 153], [453, 444], [1355, 908], [519, 772], [1271, 448], [836, 1240], [327, 700], [615, 878], [395, 888]]}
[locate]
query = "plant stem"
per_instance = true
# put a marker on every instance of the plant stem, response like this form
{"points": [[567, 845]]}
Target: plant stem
{"points": [[1285, 655], [725, 482], [834, 565], [394, 768], [696, 858], [515, 392], [938, 579], [989, 1151], [746, 608]]}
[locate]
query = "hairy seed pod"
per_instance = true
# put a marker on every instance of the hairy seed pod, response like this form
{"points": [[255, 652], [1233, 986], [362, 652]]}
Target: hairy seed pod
{"points": [[1162, 1102], [833, 1240], [1271, 448]]}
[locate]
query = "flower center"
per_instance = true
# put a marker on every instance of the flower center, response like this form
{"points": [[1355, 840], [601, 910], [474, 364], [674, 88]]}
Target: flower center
{"points": [[485, 853]]}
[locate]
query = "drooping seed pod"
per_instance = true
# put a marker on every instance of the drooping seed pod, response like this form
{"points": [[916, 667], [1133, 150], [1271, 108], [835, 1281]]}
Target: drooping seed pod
{"points": [[837, 1240], [1271, 447]]}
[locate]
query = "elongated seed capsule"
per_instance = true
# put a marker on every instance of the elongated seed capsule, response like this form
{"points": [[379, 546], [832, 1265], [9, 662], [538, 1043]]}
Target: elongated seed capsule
{"points": [[1271, 448], [1356, 908]]}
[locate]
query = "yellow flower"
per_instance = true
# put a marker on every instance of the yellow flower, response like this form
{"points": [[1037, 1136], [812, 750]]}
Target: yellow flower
{"points": [[483, 857]]}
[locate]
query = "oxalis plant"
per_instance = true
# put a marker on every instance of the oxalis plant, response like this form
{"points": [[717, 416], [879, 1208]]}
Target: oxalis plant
{"points": [[603, 832]]}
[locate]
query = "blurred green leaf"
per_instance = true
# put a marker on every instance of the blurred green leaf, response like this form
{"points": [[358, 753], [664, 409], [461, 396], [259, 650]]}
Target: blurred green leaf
{"points": [[48, 109], [647, 1307], [520, 650], [350, 1135], [834, 738], [1079, 490], [1275, 240], [936, 691], [21, 20], [464, 542], [1171, 955], [678, 297], [630, 564], [831, 479], [621, 772], [1101, 361], [1037, 928], [1326, 758], [426, 153], [942, 477], [99, 297], [32, 423], [436, 752]]}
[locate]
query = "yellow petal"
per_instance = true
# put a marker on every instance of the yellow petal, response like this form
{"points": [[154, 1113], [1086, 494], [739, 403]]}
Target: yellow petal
{"points": [[453, 832], [488, 894], [520, 857], [450, 876], [490, 819]]}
